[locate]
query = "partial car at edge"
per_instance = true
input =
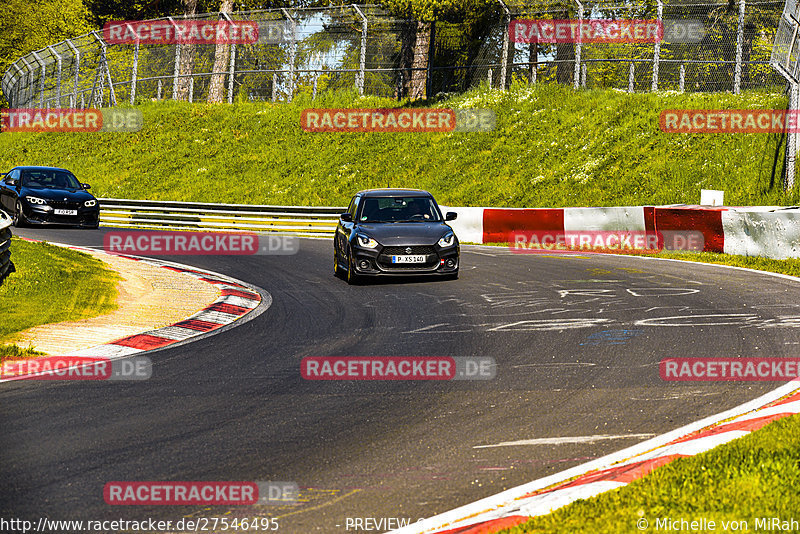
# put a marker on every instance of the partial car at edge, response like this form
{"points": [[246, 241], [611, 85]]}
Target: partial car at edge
{"points": [[388, 232]]}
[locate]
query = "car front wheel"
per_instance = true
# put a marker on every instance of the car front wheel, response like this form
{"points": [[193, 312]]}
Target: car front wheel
{"points": [[19, 216], [352, 277]]}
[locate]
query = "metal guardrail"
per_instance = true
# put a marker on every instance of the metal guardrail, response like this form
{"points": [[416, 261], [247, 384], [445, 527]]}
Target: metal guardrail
{"points": [[168, 215], [5, 245]]}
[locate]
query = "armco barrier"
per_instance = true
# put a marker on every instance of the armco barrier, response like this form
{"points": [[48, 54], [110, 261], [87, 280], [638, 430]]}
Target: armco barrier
{"points": [[771, 232], [294, 220], [5, 245]]}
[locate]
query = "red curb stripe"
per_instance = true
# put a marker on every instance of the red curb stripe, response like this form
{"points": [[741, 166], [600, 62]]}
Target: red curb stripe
{"points": [[227, 308], [793, 398], [239, 293], [143, 341], [197, 324], [488, 527], [623, 473], [215, 281], [747, 425]]}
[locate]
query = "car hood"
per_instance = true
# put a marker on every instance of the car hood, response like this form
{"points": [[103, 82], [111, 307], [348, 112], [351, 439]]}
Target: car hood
{"points": [[397, 234], [57, 194]]}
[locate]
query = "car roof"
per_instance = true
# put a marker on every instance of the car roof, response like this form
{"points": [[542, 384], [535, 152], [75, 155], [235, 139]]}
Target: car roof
{"points": [[39, 168], [394, 192]]}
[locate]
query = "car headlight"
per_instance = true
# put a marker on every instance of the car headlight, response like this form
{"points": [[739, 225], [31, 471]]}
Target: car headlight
{"points": [[35, 200], [90, 203], [447, 240], [366, 241]]}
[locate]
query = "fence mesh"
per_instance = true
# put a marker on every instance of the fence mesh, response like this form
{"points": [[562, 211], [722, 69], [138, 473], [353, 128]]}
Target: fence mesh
{"points": [[367, 50]]}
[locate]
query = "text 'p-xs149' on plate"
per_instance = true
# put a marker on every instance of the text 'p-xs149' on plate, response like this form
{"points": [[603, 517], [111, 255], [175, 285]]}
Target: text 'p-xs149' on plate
{"points": [[394, 232]]}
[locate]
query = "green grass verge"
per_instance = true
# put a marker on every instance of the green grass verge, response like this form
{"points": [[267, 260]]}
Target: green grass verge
{"points": [[755, 476], [51, 284], [553, 146], [752, 477]]}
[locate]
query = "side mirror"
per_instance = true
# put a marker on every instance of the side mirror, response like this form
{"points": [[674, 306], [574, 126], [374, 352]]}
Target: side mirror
{"points": [[450, 216], [12, 182], [86, 186], [346, 217]]}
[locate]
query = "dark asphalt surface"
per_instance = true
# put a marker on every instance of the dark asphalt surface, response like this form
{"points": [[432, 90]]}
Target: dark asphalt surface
{"points": [[574, 359]]}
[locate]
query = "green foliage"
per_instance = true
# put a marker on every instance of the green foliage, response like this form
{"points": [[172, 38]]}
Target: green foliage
{"points": [[438, 10], [553, 146], [28, 26]]}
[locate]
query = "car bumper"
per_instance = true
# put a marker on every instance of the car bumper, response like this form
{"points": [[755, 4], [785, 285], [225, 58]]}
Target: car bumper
{"points": [[374, 262], [43, 215]]}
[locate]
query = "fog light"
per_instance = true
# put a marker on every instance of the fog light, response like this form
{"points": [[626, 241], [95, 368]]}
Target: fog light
{"points": [[363, 265], [450, 263]]}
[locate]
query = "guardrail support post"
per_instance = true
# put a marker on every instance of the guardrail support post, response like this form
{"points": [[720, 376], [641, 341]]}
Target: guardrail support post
{"points": [[578, 46], [41, 78], [177, 61], [657, 49], [292, 52], [58, 75], [362, 63], [135, 67], [77, 54], [504, 58], [791, 139], [18, 87], [737, 77]]}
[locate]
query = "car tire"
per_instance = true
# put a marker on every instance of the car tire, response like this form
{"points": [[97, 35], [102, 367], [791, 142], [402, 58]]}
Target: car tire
{"points": [[453, 276], [18, 217], [352, 276], [337, 269]]}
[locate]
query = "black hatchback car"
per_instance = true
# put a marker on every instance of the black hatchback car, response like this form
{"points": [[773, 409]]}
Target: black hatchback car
{"points": [[394, 232], [37, 195]]}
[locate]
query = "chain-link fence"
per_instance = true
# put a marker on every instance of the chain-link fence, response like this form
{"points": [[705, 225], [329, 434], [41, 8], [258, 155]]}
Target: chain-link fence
{"points": [[363, 48]]}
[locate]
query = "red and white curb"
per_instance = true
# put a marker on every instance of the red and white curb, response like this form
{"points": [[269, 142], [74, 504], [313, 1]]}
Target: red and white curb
{"points": [[768, 231], [540, 497], [237, 303]]}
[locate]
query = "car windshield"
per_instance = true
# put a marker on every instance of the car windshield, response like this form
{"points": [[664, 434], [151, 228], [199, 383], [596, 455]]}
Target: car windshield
{"points": [[49, 179], [399, 209]]}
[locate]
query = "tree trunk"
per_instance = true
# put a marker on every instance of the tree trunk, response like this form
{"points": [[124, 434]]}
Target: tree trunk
{"points": [[419, 75], [187, 56], [222, 55], [407, 37]]}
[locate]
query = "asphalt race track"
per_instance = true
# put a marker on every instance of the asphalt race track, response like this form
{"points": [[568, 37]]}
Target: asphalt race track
{"points": [[577, 340]]}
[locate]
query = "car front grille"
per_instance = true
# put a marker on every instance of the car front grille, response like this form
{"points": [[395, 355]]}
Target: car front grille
{"points": [[431, 258], [401, 251], [63, 205]]}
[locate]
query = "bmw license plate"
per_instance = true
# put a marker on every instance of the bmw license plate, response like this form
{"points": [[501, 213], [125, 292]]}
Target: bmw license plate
{"points": [[65, 212], [408, 259]]}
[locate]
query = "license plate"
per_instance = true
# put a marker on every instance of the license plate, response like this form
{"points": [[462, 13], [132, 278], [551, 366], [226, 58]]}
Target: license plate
{"points": [[65, 212], [408, 259]]}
